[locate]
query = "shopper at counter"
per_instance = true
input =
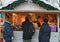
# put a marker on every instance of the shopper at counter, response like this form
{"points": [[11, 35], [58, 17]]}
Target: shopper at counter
{"points": [[38, 21], [27, 33], [45, 32], [8, 30]]}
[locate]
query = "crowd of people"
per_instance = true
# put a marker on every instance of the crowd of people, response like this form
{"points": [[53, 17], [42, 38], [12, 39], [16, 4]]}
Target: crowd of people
{"points": [[29, 30]]}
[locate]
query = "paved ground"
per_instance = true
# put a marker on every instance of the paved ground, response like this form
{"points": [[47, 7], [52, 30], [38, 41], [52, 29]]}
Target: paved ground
{"points": [[18, 35]]}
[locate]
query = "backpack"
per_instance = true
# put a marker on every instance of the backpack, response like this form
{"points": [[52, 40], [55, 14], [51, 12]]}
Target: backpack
{"points": [[31, 29]]}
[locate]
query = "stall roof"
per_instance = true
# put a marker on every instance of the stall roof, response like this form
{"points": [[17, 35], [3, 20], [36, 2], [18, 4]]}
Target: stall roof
{"points": [[26, 11]]}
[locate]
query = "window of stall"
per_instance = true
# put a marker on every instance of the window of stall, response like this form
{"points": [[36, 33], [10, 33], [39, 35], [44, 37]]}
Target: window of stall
{"points": [[18, 18]]}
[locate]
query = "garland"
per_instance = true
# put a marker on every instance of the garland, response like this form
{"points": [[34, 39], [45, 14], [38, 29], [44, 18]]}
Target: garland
{"points": [[18, 2], [44, 5], [13, 5]]}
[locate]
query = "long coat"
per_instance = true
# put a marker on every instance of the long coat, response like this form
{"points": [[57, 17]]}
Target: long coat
{"points": [[8, 31], [44, 33], [25, 27]]}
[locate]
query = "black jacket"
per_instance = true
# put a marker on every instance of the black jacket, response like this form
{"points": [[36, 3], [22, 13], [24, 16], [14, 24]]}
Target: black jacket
{"points": [[44, 33], [25, 27]]}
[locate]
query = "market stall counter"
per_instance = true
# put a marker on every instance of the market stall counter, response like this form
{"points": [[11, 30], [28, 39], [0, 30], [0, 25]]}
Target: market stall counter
{"points": [[18, 36]]}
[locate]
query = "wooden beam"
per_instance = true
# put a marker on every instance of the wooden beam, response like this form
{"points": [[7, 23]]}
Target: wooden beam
{"points": [[28, 11]]}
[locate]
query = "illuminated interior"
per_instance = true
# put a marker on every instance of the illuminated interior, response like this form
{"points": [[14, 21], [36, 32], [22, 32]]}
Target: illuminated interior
{"points": [[18, 18]]}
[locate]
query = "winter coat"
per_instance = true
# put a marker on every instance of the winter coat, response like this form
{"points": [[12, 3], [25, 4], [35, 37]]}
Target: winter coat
{"points": [[44, 33], [25, 27], [8, 31]]}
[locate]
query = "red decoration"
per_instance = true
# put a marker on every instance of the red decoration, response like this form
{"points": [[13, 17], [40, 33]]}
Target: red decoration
{"points": [[1, 20], [1, 39]]}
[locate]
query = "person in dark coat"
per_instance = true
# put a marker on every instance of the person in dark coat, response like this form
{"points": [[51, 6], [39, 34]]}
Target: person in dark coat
{"points": [[45, 32], [8, 31], [25, 26]]}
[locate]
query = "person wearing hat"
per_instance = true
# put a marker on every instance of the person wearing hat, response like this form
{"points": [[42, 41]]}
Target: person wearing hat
{"points": [[45, 32], [8, 30]]}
